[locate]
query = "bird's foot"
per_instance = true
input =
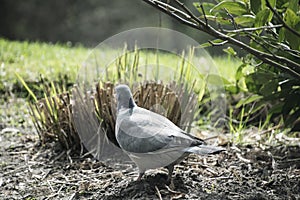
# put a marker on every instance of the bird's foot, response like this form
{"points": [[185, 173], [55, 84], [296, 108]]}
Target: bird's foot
{"points": [[170, 183], [140, 177]]}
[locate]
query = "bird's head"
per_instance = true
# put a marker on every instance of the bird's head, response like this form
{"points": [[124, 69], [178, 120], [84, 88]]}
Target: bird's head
{"points": [[124, 97]]}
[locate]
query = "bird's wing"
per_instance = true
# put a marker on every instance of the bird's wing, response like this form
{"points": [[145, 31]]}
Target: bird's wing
{"points": [[143, 131]]}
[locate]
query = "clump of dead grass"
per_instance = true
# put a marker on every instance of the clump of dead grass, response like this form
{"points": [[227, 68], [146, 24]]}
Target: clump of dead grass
{"points": [[53, 118]]}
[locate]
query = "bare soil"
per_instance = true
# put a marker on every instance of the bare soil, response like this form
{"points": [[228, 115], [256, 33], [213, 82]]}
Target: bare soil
{"points": [[31, 171]]}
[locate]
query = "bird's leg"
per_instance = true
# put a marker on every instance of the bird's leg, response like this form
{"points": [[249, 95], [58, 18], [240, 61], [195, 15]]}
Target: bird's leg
{"points": [[140, 176], [170, 179], [170, 169]]}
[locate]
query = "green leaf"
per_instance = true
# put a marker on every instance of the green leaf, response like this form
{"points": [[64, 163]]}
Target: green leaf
{"points": [[291, 18], [207, 44], [245, 20], [232, 88], [293, 39], [272, 3], [239, 72], [281, 36], [293, 5], [255, 5], [262, 77], [282, 4], [206, 7], [293, 21], [235, 8], [269, 88], [230, 51], [263, 17], [248, 100], [263, 4], [256, 80], [204, 45], [220, 20]]}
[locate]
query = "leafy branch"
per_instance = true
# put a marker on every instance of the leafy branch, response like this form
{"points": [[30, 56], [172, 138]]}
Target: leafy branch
{"points": [[280, 19], [179, 11]]}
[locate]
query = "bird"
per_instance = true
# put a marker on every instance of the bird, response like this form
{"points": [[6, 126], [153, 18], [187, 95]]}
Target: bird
{"points": [[150, 139]]}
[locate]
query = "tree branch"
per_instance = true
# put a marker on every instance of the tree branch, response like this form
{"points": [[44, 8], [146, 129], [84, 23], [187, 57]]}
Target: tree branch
{"points": [[281, 20], [191, 20], [252, 29]]}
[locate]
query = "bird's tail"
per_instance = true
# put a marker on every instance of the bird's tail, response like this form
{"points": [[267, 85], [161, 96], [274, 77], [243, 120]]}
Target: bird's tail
{"points": [[204, 149]]}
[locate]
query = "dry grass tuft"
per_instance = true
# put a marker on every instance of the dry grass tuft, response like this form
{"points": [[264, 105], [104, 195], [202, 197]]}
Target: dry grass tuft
{"points": [[53, 116], [159, 98], [53, 121]]}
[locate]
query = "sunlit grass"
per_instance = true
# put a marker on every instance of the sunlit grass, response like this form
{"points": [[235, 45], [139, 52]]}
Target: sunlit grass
{"points": [[227, 67], [30, 59]]}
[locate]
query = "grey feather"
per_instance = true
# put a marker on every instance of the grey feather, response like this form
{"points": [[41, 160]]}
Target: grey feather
{"points": [[204, 149], [151, 140]]}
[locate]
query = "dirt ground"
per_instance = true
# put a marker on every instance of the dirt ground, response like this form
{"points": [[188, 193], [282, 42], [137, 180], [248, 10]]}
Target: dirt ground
{"points": [[31, 171]]}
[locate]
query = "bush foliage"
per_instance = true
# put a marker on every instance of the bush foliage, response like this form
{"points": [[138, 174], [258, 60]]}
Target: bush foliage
{"points": [[269, 32]]}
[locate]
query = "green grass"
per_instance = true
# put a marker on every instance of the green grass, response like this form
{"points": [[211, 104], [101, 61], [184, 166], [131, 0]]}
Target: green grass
{"points": [[227, 67], [31, 59]]}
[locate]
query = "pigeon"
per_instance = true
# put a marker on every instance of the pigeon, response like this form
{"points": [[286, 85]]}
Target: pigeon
{"points": [[151, 140]]}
